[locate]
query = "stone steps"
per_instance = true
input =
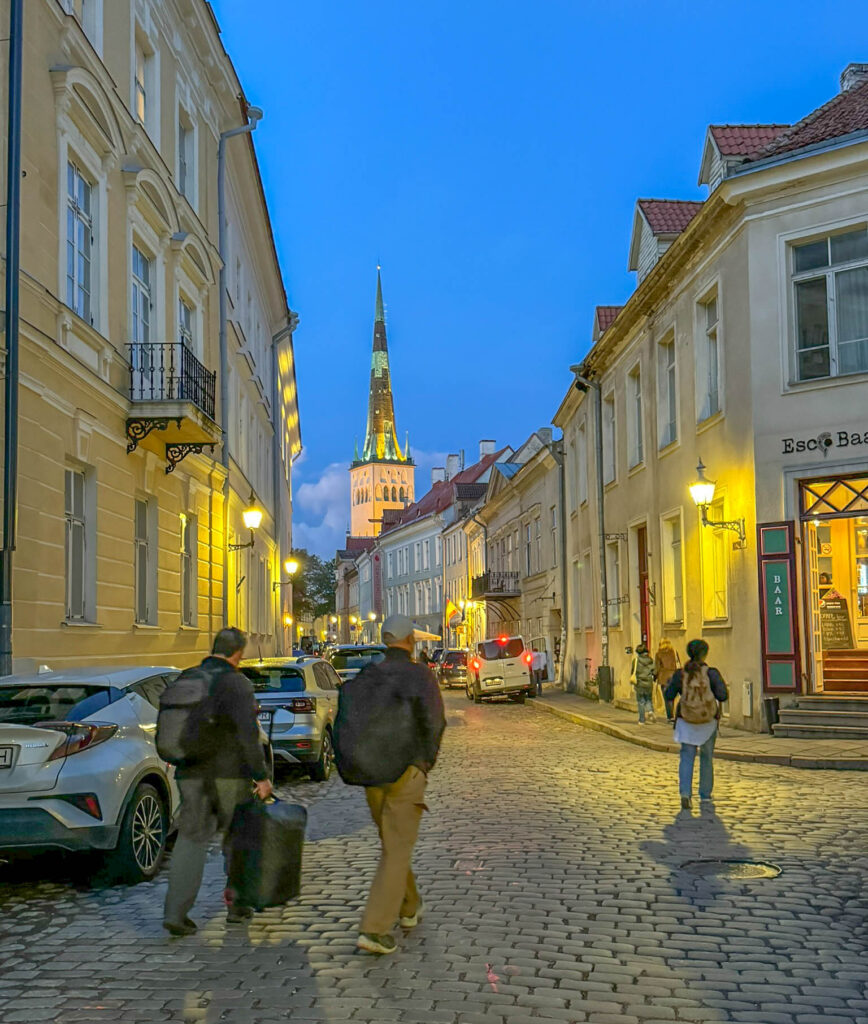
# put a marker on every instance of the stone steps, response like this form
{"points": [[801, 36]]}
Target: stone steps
{"points": [[844, 718]]}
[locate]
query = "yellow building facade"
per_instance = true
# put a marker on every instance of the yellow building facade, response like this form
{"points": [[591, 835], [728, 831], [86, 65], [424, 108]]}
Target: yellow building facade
{"points": [[126, 520]]}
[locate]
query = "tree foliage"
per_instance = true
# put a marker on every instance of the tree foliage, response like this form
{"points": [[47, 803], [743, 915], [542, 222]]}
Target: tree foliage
{"points": [[313, 589]]}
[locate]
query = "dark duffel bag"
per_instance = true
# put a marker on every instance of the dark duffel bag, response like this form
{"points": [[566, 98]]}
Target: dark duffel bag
{"points": [[265, 846]]}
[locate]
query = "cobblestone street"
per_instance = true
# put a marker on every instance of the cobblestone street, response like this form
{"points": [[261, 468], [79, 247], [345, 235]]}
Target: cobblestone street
{"points": [[550, 866]]}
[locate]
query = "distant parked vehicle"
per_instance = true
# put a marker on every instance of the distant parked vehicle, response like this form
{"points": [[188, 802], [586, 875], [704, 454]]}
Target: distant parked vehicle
{"points": [[500, 667], [79, 769], [349, 659], [452, 670], [298, 701]]}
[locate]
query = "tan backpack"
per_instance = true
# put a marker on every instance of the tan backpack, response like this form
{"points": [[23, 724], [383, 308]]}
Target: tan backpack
{"points": [[698, 704]]}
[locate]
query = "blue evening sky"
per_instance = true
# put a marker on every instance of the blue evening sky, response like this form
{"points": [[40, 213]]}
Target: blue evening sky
{"points": [[489, 154]]}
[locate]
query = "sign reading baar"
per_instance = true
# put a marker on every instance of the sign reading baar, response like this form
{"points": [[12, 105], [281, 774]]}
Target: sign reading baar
{"points": [[778, 617]]}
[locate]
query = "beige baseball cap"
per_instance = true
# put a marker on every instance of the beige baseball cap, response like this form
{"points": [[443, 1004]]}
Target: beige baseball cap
{"points": [[397, 627]]}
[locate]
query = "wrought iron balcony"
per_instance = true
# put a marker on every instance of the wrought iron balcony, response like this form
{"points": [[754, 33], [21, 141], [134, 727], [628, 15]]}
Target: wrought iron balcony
{"points": [[172, 392], [494, 584]]}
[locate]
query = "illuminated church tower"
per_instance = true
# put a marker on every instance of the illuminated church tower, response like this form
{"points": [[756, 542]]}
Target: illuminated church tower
{"points": [[382, 476]]}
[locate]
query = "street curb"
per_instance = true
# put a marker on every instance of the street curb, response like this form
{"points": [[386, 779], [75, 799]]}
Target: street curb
{"points": [[846, 764]]}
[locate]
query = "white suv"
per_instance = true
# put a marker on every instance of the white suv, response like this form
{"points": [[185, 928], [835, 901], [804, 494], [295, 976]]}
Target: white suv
{"points": [[79, 769], [500, 667]]}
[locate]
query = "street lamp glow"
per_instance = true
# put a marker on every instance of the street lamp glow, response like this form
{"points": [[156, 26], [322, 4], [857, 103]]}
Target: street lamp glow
{"points": [[333, 619], [287, 620], [252, 515], [702, 489], [290, 566], [372, 616], [353, 620]]}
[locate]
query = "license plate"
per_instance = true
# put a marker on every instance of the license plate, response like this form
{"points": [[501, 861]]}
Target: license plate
{"points": [[6, 756], [266, 716]]}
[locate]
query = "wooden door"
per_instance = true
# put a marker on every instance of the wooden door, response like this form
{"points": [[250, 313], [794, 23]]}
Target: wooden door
{"points": [[812, 547], [644, 611]]}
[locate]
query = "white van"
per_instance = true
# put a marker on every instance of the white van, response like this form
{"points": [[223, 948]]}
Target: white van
{"points": [[500, 667]]}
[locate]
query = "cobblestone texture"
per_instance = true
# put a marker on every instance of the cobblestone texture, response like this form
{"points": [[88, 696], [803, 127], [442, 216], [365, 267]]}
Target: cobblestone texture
{"points": [[550, 868]]}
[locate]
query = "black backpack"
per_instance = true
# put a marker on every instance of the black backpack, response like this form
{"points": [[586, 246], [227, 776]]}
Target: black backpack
{"points": [[185, 714]]}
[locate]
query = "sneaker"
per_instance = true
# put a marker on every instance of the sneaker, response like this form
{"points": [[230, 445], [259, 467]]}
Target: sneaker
{"points": [[371, 943], [685, 803], [236, 913], [413, 919], [179, 931]]}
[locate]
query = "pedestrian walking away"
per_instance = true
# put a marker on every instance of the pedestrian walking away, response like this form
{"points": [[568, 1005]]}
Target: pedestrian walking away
{"points": [[701, 691], [387, 736], [642, 676], [538, 666], [224, 765], [666, 661]]}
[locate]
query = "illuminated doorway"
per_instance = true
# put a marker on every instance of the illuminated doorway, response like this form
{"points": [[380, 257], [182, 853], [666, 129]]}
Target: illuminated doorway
{"points": [[834, 515]]}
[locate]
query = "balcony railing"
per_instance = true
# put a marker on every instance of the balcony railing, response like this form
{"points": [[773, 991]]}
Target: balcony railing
{"points": [[167, 371], [494, 584]]}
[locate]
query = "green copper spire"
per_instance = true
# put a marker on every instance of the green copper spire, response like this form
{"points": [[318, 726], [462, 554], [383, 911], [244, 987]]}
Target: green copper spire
{"points": [[379, 314], [356, 451]]}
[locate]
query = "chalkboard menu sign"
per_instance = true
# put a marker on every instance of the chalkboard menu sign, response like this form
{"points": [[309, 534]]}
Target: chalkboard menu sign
{"points": [[836, 634]]}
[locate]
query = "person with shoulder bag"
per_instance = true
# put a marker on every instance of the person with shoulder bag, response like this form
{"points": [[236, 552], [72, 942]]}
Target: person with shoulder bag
{"points": [[387, 736], [642, 677], [208, 728], [666, 661], [701, 691]]}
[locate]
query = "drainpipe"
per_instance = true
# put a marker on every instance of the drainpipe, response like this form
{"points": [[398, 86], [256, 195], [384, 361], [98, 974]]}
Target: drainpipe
{"points": [[279, 474], [13, 238], [254, 115], [558, 452]]}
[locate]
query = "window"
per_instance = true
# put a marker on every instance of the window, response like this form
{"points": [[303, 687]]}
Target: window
{"points": [[189, 569], [88, 13], [145, 563], [673, 569], [830, 281], [667, 406], [553, 526], [140, 106], [708, 360], [142, 302], [389, 565], [581, 465], [186, 157], [186, 325], [438, 550], [537, 532], [609, 438], [79, 242], [613, 582], [578, 596], [715, 567], [426, 554], [527, 550], [76, 545], [636, 437], [587, 603]]}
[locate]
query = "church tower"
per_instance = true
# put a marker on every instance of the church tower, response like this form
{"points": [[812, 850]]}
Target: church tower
{"points": [[382, 476]]}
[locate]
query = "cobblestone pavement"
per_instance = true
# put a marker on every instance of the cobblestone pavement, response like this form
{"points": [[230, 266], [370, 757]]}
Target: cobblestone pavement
{"points": [[550, 864]]}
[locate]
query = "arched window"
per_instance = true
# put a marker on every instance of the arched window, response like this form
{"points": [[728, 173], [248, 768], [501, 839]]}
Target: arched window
{"points": [[402, 494], [394, 493]]}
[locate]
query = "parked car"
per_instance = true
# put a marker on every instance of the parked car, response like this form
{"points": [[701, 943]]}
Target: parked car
{"points": [[298, 701], [349, 659], [452, 670], [500, 667], [79, 769]]}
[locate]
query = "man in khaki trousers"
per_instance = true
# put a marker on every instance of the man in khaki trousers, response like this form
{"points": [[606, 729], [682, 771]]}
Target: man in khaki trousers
{"points": [[387, 735]]}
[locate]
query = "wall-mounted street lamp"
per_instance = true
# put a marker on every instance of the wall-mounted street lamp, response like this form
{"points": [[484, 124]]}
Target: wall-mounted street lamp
{"points": [[333, 619], [702, 492], [372, 616], [252, 518], [290, 567], [287, 620]]}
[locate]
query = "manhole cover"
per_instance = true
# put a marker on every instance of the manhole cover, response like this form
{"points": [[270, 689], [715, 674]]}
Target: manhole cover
{"points": [[731, 869]]}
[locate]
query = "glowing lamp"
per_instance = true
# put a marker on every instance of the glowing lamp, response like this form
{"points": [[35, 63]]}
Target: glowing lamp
{"points": [[702, 489], [372, 616], [252, 517], [287, 620], [290, 566]]}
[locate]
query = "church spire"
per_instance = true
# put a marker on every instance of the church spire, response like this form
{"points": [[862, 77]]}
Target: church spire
{"points": [[381, 443]]}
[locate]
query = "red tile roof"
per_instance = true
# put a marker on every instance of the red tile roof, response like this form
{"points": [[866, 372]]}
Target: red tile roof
{"points": [[669, 216], [441, 495], [744, 139], [606, 316], [845, 113], [356, 545]]}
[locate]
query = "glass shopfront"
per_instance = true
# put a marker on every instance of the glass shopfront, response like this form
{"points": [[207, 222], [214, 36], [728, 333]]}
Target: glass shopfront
{"points": [[834, 514]]}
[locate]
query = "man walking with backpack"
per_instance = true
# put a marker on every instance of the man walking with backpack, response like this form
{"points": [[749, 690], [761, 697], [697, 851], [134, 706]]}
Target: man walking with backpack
{"points": [[387, 735], [222, 765], [701, 690]]}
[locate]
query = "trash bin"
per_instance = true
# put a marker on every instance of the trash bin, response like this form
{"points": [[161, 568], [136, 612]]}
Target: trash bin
{"points": [[606, 683], [772, 711]]}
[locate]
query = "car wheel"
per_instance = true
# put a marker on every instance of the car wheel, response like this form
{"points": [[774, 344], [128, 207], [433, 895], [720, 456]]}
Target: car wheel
{"points": [[468, 691], [142, 842], [477, 695], [518, 698], [530, 693], [322, 768]]}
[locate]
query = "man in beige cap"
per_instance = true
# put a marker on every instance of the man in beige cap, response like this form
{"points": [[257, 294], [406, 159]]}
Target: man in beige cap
{"points": [[387, 735]]}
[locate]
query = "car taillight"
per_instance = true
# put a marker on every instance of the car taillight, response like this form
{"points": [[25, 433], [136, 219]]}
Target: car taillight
{"points": [[86, 802], [528, 658], [79, 736], [302, 705], [475, 665]]}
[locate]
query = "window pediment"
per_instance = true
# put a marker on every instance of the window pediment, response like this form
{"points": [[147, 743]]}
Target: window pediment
{"points": [[81, 98]]}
